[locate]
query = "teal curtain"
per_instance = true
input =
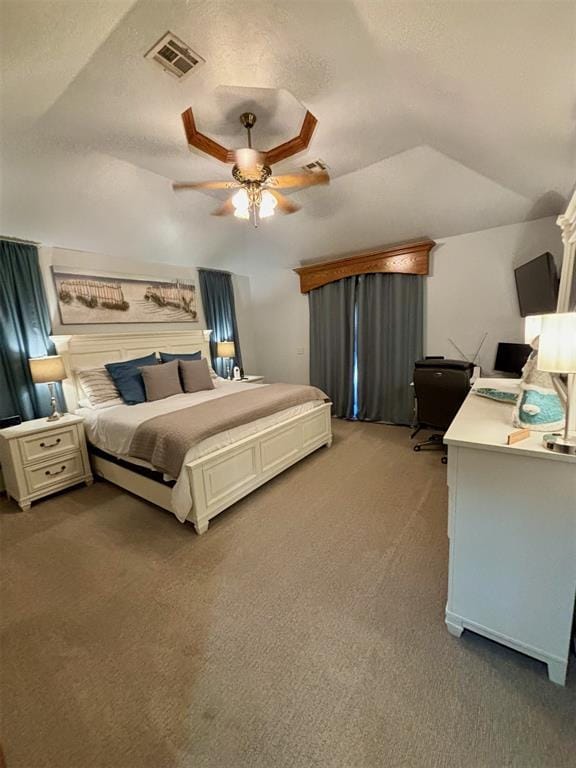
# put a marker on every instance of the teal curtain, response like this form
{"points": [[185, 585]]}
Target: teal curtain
{"points": [[333, 343], [24, 331], [365, 336], [217, 293], [390, 335]]}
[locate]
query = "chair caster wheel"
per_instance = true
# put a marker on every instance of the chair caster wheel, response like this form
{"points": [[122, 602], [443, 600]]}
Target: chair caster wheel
{"points": [[416, 448], [444, 459]]}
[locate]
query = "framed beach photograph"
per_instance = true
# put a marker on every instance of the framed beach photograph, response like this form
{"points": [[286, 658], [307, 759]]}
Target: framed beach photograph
{"points": [[111, 298]]}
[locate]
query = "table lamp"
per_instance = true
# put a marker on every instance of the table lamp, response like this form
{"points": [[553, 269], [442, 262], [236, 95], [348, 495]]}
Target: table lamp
{"points": [[226, 349], [532, 328], [557, 355], [47, 370]]}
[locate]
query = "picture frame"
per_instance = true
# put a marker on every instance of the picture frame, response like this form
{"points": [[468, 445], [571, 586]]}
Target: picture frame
{"points": [[93, 297]]}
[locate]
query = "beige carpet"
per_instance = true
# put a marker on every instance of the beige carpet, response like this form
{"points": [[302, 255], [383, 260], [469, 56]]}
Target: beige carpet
{"points": [[304, 629]]}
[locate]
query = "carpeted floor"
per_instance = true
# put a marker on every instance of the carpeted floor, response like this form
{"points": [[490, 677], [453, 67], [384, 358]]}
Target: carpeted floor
{"points": [[304, 629]]}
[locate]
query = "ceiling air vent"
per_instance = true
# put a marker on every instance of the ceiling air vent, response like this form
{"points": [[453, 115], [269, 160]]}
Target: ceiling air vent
{"points": [[174, 56], [315, 166]]}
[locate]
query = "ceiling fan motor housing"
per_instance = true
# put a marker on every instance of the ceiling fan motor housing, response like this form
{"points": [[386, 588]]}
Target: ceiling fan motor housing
{"points": [[251, 173]]}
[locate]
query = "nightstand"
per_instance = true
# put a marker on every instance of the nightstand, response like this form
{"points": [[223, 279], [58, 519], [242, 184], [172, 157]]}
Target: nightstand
{"points": [[40, 457], [249, 380]]}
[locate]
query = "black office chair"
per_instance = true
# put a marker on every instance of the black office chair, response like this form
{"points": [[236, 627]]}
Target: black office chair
{"points": [[440, 387]]}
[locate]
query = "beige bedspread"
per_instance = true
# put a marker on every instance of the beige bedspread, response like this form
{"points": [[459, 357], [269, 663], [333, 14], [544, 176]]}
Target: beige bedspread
{"points": [[164, 440]]}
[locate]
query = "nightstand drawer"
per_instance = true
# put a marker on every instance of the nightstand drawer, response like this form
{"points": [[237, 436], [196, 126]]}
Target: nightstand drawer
{"points": [[61, 470], [47, 444]]}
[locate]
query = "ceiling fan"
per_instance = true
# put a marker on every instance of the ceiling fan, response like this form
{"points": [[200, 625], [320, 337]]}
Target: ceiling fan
{"points": [[256, 196]]}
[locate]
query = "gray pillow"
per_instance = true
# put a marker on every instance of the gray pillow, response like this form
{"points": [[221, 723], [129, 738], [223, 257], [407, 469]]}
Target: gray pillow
{"points": [[161, 381], [195, 375]]}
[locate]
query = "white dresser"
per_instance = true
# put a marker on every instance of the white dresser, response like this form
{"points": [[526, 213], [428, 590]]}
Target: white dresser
{"points": [[512, 530]]}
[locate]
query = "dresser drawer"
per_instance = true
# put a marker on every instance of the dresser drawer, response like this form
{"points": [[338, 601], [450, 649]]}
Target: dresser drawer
{"points": [[55, 472], [48, 444]]}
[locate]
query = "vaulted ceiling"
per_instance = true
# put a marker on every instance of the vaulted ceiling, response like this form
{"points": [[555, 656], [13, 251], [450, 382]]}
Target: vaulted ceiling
{"points": [[435, 118]]}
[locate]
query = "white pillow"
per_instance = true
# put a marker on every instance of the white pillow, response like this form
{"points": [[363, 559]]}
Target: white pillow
{"points": [[98, 387], [86, 404]]}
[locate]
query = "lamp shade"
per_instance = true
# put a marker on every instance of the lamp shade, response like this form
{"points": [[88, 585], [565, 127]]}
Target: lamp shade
{"points": [[557, 350], [47, 369], [532, 328], [225, 349]]}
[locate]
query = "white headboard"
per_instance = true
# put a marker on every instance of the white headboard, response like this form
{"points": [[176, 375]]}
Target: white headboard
{"points": [[91, 350]]}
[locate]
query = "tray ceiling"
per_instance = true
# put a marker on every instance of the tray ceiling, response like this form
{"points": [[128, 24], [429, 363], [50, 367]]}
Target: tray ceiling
{"points": [[491, 93]]}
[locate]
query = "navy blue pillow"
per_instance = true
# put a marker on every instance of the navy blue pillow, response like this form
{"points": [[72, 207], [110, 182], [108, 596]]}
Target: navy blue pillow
{"points": [[128, 378], [167, 357]]}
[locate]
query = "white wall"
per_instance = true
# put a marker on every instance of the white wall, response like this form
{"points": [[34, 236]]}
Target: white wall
{"points": [[64, 257], [470, 291], [280, 314], [245, 322], [91, 210], [87, 201]]}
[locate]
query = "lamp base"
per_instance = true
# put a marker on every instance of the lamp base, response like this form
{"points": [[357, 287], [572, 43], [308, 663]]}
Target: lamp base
{"points": [[559, 444], [55, 414]]}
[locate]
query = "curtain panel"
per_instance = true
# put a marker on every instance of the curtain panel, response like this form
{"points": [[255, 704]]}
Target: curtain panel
{"points": [[332, 326], [390, 331], [366, 333], [24, 331], [217, 291]]}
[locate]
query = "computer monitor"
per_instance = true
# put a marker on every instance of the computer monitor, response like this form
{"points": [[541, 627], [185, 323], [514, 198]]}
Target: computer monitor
{"points": [[511, 358]]}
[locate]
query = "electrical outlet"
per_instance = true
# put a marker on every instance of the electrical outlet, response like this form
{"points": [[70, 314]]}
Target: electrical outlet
{"points": [[300, 350]]}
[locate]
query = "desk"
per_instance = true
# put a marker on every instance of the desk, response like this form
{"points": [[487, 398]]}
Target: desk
{"points": [[512, 531]]}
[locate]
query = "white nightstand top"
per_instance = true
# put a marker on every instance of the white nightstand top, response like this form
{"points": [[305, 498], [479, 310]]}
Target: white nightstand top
{"points": [[39, 425], [248, 380]]}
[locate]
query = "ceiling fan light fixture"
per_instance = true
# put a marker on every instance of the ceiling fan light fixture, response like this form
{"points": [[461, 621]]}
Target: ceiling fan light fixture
{"points": [[267, 205], [241, 203], [240, 199]]}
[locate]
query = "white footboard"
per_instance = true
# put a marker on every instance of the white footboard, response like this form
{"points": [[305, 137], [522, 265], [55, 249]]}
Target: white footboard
{"points": [[225, 476]]}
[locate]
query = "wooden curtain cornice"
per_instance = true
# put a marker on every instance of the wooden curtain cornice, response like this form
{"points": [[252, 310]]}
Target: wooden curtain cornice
{"points": [[406, 258]]}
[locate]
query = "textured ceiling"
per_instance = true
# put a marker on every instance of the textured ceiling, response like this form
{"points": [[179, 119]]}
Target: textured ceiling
{"points": [[434, 117]]}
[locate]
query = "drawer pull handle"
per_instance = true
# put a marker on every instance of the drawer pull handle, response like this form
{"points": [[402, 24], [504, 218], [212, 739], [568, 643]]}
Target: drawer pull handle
{"points": [[50, 445], [58, 471]]}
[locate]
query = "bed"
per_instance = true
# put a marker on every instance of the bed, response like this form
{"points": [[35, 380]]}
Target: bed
{"points": [[216, 472]]}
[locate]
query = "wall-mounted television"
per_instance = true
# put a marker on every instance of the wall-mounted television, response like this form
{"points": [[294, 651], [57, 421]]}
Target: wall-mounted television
{"points": [[537, 286]]}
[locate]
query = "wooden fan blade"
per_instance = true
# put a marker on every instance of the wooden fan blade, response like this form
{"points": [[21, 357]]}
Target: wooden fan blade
{"points": [[225, 209], [306, 179], [285, 205], [205, 185]]}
